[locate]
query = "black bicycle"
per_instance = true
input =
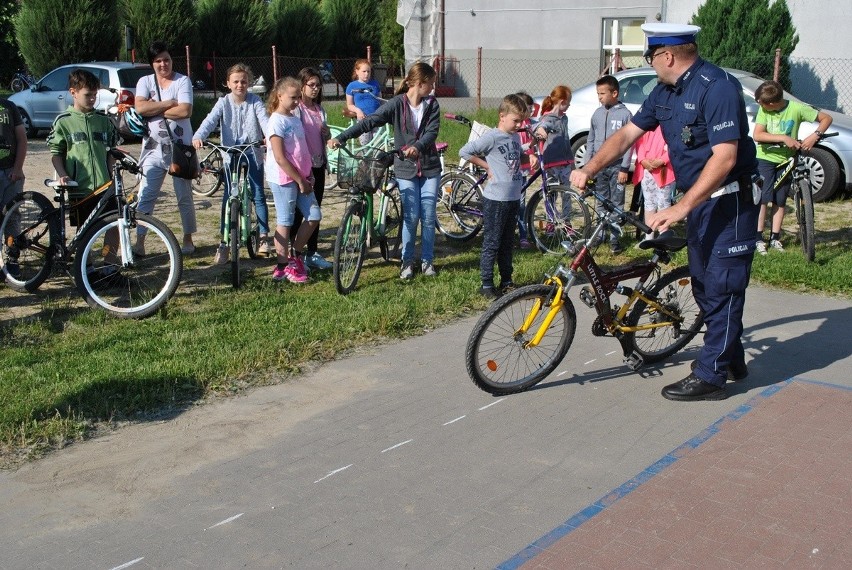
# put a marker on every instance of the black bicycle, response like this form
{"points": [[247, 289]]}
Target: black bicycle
{"points": [[108, 272]]}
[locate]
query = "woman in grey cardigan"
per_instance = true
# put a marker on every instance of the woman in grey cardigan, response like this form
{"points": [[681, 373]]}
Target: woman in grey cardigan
{"points": [[416, 117], [242, 118]]}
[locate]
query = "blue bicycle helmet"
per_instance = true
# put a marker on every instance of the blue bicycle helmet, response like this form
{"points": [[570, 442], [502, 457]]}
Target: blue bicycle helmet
{"points": [[135, 123]]}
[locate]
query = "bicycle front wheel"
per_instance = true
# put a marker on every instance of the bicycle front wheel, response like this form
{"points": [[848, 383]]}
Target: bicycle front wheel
{"points": [[135, 291], [499, 359], [555, 216], [804, 201], [458, 213], [234, 237], [350, 248], [212, 171], [17, 85], [673, 291], [30, 235], [390, 242]]}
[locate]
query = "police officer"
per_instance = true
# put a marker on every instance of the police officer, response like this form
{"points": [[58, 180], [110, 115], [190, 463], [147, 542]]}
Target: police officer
{"points": [[702, 113]]}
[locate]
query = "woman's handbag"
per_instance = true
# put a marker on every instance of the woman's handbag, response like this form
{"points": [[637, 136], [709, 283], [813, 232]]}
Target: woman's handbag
{"points": [[184, 157]]}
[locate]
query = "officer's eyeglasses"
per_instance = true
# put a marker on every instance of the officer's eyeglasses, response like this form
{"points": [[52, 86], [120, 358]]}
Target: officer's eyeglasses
{"points": [[649, 59]]}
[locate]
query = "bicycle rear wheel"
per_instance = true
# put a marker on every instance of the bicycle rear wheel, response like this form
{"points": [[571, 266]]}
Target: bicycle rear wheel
{"points": [[17, 85], [498, 359], [350, 248], [30, 234], [673, 291], [390, 242], [138, 290], [234, 245], [804, 202], [212, 171], [556, 216], [458, 213]]}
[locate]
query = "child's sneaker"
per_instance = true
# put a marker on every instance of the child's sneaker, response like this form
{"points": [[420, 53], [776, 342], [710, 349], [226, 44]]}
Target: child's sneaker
{"points": [[296, 271], [776, 245], [489, 292], [316, 261], [279, 272], [222, 255], [760, 247], [263, 248], [407, 272], [525, 244], [428, 269]]}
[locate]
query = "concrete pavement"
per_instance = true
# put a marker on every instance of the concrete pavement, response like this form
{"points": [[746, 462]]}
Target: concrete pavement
{"points": [[395, 459]]}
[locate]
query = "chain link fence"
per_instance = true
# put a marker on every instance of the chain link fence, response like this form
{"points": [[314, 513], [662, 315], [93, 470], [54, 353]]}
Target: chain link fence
{"points": [[467, 84]]}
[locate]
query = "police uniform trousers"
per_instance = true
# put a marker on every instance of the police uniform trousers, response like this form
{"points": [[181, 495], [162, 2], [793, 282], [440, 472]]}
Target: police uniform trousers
{"points": [[721, 236]]}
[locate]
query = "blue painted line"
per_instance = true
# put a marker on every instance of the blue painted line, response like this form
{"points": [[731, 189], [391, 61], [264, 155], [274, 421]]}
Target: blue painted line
{"points": [[646, 475]]}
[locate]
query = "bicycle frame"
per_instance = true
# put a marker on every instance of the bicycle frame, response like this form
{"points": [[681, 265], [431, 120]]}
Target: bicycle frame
{"points": [[237, 197], [602, 284]]}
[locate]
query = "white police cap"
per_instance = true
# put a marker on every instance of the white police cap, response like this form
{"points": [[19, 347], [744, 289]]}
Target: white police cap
{"points": [[667, 34]]}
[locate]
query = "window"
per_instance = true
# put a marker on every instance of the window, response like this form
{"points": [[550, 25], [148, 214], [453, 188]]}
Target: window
{"points": [[623, 44], [56, 80]]}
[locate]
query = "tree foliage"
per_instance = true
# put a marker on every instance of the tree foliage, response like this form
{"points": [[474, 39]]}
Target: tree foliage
{"points": [[352, 25], [391, 40], [10, 57], [52, 33], [168, 21], [303, 17], [234, 27], [761, 27]]}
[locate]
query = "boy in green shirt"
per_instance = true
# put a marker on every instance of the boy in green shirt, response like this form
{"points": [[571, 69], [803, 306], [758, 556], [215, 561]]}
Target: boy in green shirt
{"points": [[778, 121], [80, 141]]}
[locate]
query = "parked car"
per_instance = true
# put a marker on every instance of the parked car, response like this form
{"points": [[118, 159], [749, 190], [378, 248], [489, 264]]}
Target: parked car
{"points": [[42, 102], [830, 161]]}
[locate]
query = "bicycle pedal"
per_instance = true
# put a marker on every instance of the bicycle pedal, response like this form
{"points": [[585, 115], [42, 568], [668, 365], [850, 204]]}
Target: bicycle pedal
{"points": [[634, 361]]}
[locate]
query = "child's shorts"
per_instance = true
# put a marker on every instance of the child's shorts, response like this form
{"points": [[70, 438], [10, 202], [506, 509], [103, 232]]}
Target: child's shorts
{"points": [[287, 198], [656, 198], [768, 194]]}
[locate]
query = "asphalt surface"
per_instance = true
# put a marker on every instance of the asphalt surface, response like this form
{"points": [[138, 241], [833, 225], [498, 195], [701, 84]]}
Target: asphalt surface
{"points": [[395, 459]]}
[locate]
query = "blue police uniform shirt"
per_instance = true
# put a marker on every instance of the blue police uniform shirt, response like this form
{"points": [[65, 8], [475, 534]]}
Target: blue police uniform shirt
{"points": [[704, 108]]}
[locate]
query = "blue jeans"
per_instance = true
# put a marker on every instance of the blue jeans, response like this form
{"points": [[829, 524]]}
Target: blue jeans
{"points": [[255, 178], [419, 198], [149, 191], [498, 219]]}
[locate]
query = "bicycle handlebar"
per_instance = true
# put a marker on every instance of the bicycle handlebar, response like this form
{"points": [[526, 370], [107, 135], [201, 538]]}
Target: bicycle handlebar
{"points": [[459, 119], [822, 136], [623, 216]]}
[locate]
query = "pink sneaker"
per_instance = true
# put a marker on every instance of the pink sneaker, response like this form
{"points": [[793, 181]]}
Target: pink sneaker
{"points": [[295, 271], [279, 273]]}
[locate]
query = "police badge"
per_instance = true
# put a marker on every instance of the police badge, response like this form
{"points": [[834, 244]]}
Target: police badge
{"points": [[686, 136]]}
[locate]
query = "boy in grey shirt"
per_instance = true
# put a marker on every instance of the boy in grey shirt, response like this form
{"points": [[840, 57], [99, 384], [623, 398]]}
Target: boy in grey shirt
{"points": [[606, 120], [499, 152]]}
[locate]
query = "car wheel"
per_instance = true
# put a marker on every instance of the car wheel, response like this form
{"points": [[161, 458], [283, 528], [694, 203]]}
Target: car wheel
{"points": [[825, 173], [28, 124], [578, 147]]}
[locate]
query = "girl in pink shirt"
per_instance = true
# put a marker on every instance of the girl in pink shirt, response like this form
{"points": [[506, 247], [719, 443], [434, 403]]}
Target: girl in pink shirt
{"points": [[654, 172], [288, 171]]}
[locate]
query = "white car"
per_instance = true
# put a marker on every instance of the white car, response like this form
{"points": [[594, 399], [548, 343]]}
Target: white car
{"points": [[830, 161], [43, 101]]}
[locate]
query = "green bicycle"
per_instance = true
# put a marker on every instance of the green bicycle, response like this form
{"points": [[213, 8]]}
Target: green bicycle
{"points": [[364, 175], [241, 223]]}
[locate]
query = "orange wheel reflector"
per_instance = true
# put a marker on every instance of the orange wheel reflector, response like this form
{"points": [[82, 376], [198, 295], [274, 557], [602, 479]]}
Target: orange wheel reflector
{"points": [[683, 282], [492, 366]]}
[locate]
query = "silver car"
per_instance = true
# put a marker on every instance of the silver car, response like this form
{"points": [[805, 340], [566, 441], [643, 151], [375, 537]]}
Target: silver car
{"points": [[830, 161], [40, 104]]}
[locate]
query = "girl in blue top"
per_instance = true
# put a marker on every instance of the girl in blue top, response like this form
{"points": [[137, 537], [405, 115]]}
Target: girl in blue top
{"points": [[242, 119], [359, 102]]}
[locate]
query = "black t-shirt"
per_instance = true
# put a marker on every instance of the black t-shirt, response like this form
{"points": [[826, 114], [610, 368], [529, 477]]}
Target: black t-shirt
{"points": [[9, 119]]}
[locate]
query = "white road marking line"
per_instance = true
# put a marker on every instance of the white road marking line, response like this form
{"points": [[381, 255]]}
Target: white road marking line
{"points": [[491, 404], [454, 421], [226, 521], [611, 352], [562, 373], [333, 472], [398, 445], [129, 564], [589, 362]]}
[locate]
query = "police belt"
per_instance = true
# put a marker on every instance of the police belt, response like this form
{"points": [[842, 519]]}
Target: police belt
{"points": [[732, 187]]}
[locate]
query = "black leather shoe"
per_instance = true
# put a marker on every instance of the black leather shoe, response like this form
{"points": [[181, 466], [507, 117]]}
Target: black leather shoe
{"points": [[736, 372], [692, 389]]}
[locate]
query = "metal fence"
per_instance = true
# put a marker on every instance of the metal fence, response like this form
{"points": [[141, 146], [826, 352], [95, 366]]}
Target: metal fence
{"points": [[467, 84]]}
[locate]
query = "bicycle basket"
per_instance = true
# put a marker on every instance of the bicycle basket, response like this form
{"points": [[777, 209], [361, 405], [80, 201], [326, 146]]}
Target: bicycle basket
{"points": [[363, 172]]}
